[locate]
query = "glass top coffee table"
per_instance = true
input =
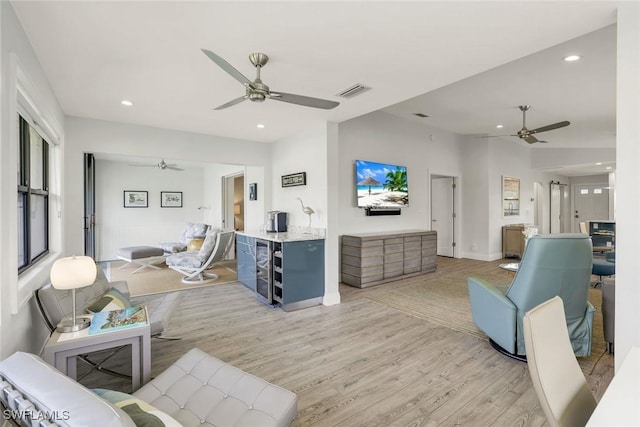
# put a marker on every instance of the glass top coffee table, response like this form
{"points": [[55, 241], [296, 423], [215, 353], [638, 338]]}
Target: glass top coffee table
{"points": [[510, 267]]}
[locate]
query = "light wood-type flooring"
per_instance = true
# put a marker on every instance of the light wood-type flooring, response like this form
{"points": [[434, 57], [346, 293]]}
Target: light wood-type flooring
{"points": [[359, 363]]}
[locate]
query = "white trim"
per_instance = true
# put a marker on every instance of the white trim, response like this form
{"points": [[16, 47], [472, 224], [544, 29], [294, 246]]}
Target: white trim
{"points": [[331, 299], [24, 99]]}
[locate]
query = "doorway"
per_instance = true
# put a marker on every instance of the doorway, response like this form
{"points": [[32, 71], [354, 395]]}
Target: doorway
{"points": [[443, 213], [559, 207], [538, 206], [233, 204], [591, 203], [89, 226]]}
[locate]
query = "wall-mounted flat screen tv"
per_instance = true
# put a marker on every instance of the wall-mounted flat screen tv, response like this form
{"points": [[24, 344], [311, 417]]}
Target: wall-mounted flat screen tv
{"points": [[381, 185]]}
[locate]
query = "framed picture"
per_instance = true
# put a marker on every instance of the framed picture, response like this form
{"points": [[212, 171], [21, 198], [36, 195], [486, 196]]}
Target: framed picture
{"points": [[253, 191], [294, 179], [171, 199], [136, 199], [510, 196]]}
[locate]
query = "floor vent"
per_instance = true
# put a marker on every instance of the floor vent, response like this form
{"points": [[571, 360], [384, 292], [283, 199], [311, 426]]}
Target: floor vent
{"points": [[354, 90]]}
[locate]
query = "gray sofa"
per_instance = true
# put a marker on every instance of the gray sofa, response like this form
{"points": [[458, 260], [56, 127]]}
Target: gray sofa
{"points": [[197, 390]]}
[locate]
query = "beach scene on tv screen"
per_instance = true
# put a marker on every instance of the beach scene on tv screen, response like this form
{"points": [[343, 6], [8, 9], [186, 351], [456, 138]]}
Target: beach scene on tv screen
{"points": [[381, 185]]}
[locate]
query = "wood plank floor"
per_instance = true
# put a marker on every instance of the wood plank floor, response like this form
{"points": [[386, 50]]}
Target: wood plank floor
{"points": [[358, 363]]}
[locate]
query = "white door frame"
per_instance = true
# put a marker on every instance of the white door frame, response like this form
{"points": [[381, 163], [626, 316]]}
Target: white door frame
{"points": [[455, 217]]}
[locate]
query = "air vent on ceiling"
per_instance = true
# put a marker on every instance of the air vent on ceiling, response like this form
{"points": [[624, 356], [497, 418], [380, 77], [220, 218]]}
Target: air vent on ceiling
{"points": [[354, 90], [424, 116]]}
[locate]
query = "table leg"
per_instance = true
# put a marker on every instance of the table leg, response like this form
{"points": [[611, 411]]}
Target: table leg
{"points": [[136, 376]]}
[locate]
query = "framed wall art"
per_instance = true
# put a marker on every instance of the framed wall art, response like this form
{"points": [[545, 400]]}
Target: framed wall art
{"points": [[510, 196], [171, 199], [294, 179], [136, 199], [253, 191]]}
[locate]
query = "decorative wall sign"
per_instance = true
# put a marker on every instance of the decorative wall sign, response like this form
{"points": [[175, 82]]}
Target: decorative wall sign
{"points": [[253, 191], [510, 196], [171, 199], [294, 179], [136, 199]]}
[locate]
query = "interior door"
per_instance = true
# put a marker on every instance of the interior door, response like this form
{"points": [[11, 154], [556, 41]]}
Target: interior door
{"points": [[442, 214], [89, 205], [591, 203]]}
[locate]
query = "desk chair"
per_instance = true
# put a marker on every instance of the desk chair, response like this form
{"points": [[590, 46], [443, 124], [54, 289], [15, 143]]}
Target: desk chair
{"points": [[560, 385]]}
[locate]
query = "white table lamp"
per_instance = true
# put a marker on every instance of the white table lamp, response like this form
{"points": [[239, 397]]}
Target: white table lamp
{"points": [[73, 273]]}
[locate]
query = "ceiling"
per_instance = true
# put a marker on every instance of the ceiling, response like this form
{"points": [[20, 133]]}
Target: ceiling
{"points": [[465, 64]]}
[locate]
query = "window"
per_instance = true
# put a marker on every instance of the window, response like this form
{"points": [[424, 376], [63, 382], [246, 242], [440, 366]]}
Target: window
{"points": [[33, 196]]}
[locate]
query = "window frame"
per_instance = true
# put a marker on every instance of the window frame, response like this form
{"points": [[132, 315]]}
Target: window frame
{"points": [[25, 191]]}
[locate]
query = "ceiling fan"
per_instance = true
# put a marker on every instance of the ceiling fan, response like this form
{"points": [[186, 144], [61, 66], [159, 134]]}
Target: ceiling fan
{"points": [[162, 165], [257, 91], [527, 134]]}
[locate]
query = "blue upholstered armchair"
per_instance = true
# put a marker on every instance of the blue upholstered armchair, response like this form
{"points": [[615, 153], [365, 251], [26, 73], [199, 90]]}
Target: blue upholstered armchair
{"points": [[552, 264]]}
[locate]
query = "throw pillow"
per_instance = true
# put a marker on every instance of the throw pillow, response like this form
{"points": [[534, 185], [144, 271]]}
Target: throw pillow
{"points": [[111, 300], [138, 410], [207, 246]]}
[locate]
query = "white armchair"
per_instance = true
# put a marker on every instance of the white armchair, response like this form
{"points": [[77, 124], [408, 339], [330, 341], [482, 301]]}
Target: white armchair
{"points": [[191, 231], [192, 264]]}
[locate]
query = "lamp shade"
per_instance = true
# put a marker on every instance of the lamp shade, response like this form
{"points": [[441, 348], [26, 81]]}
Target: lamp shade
{"points": [[73, 272]]}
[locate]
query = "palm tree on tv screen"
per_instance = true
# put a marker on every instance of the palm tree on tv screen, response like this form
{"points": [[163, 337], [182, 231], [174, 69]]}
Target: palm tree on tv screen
{"points": [[396, 180]]}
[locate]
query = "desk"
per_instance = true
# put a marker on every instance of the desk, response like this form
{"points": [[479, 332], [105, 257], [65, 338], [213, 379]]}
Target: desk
{"points": [[620, 404], [61, 350]]}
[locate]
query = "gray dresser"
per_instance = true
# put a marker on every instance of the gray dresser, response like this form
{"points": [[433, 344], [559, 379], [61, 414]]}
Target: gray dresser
{"points": [[372, 258]]}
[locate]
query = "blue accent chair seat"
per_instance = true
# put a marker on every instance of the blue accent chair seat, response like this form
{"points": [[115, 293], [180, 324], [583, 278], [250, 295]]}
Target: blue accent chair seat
{"points": [[552, 264], [606, 267]]}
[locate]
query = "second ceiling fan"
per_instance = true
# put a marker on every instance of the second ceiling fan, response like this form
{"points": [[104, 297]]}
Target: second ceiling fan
{"points": [[257, 91], [527, 134]]}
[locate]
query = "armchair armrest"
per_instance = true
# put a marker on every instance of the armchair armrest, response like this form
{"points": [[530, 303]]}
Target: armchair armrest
{"points": [[493, 312]]}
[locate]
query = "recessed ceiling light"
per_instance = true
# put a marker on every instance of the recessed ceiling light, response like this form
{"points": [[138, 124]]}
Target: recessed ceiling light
{"points": [[599, 163], [260, 126], [608, 168], [499, 126], [126, 103], [571, 58]]}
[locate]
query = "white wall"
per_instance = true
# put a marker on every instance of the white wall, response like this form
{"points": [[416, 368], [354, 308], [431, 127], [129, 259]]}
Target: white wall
{"points": [[96, 136], [384, 138], [312, 151], [118, 227], [474, 189], [304, 152], [21, 326], [627, 181]]}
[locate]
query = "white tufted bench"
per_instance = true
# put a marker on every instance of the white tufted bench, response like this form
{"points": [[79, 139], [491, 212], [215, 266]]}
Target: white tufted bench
{"points": [[197, 390]]}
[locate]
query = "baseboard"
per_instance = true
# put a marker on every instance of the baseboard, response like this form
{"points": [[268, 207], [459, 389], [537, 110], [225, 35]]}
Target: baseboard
{"points": [[331, 299], [482, 257]]}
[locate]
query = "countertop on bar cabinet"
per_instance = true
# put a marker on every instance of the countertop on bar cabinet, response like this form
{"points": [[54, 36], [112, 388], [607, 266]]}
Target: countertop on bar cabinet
{"points": [[283, 237]]}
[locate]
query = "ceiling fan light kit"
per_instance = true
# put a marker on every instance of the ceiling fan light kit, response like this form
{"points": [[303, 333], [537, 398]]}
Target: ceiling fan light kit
{"points": [[257, 91]]}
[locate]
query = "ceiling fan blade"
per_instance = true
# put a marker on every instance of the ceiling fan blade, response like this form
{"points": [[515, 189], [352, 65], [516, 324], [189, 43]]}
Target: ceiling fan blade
{"points": [[173, 168], [228, 68], [231, 103], [493, 136], [145, 166], [304, 100], [530, 139], [550, 127]]}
